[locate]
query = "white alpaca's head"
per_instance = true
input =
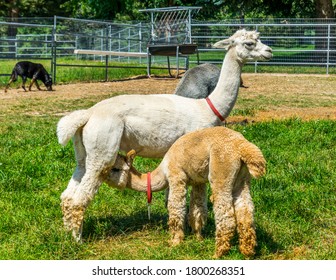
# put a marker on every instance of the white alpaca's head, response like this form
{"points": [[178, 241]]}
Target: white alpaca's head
{"points": [[117, 177], [248, 46]]}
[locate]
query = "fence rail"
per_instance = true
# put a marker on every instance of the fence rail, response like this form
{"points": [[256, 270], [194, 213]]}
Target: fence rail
{"points": [[292, 43], [295, 42]]}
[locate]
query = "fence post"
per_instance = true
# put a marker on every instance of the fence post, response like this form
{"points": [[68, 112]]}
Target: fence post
{"points": [[46, 45], [53, 50], [129, 43], [101, 43], [328, 48], [16, 46], [106, 56], [256, 62], [119, 38], [140, 40], [110, 42]]}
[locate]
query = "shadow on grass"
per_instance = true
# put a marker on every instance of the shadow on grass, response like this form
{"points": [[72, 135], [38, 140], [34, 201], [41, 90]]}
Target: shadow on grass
{"points": [[97, 228], [266, 243], [112, 226]]}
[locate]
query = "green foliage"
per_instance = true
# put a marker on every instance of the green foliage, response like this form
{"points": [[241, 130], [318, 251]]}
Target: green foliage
{"points": [[32, 8], [103, 9], [220, 9], [128, 9]]}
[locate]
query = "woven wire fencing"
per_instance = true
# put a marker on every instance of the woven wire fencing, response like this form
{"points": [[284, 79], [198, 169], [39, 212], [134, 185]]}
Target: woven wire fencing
{"points": [[71, 34], [295, 42], [299, 43], [26, 38]]}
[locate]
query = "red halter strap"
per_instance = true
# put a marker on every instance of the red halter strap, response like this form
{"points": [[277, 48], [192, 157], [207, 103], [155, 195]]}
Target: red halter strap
{"points": [[149, 189], [212, 107]]}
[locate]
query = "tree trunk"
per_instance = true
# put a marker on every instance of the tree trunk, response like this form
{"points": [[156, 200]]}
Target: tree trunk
{"points": [[324, 9], [13, 13]]}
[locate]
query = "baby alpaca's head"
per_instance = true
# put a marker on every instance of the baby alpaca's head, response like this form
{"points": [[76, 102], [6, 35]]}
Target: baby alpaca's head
{"points": [[117, 177]]}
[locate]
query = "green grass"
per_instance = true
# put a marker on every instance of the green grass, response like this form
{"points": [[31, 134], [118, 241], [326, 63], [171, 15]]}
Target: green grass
{"points": [[295, 202], [297, 199]]}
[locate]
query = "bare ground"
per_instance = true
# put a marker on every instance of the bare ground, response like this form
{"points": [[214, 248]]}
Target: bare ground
{"points": [[267, 96]]}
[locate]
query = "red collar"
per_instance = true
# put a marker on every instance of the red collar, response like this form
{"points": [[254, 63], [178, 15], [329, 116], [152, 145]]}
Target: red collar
{"points": [[149, 189], [214, 109]]}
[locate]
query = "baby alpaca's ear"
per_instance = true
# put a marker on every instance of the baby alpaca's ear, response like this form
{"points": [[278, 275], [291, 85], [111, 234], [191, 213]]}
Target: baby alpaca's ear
{"points": [[130, 156]]}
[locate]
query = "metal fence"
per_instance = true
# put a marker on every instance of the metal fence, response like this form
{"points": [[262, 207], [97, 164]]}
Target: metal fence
{"points": [[309, 43], [22, 39], [73, 34], [295, 42]]}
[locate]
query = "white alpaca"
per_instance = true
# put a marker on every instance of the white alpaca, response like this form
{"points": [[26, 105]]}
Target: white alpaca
{"points": [[218, 155], [149, 124]]}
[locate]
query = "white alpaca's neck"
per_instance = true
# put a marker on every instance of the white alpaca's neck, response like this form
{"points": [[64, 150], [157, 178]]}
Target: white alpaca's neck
{"points": [[225, 93]]}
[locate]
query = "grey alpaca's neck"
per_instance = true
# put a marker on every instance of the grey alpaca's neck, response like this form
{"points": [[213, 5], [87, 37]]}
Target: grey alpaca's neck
{"points": [[138, 181], [225, 93]]}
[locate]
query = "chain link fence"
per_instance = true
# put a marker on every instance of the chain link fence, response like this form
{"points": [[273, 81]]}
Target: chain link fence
{"points": [[296, 42]]}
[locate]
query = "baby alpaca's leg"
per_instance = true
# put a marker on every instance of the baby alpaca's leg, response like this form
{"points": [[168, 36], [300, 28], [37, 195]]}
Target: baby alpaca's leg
{"points": [[244, 210], [198, 210], [177, 209], [222, 177], [224, 218]]}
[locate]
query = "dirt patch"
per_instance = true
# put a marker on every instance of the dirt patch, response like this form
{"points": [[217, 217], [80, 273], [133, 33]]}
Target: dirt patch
{"points": [[320, 113], [269, 96], [73, 91]]}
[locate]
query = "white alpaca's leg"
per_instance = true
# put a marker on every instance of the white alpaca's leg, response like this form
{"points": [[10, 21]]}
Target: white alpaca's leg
{"points": [[177, 208], [82, 197], [67, 198], [198, 210], [101, 138], [76, 178], [244, 211]]}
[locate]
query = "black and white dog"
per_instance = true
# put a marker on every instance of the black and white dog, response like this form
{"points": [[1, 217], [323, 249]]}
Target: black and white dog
{"points": [[34, 71]]}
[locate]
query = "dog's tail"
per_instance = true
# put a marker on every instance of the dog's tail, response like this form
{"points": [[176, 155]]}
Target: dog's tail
{"points": [[68, 125], [14, 75], [253, 158], [13, 78]]}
